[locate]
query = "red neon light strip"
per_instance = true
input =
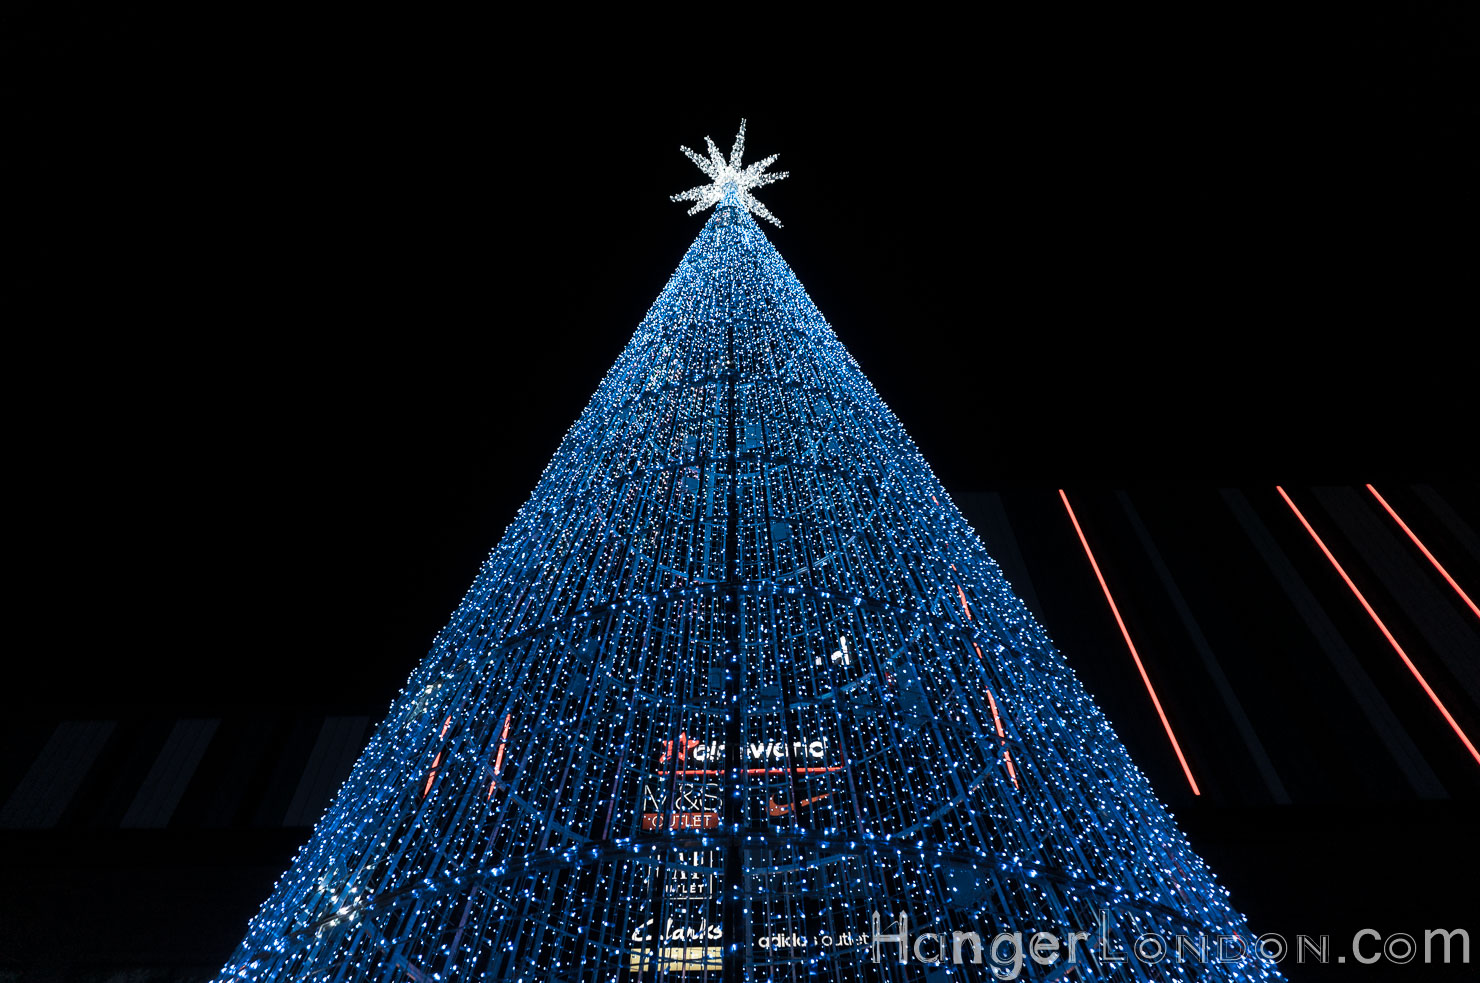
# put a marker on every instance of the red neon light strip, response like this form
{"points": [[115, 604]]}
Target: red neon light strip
{"points": [[1425, 550], [1454, 725], [964, 606], [436, 761], [992, 702], [1006, 754], [1165, 723], [498, 761]]}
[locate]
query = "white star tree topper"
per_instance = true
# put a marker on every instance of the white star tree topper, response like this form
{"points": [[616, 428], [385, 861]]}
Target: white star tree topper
{"points": [[729, 176]]}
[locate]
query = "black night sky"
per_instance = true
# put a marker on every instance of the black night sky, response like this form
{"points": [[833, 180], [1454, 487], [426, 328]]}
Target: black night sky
{"points": [[315, 303]]}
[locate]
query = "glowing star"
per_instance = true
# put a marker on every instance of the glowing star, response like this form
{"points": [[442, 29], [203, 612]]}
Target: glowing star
{"points": [[729, 177]]}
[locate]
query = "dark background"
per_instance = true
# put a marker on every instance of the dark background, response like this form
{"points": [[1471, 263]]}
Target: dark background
{"points": [[307, 305]]}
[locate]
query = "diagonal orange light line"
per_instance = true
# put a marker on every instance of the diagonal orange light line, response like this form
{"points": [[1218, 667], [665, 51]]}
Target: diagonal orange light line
{"points": [[1419, 543], [436, 761], [997, 720], [498, 761], [1384, 628], [1165, 723], [1006, 754]]}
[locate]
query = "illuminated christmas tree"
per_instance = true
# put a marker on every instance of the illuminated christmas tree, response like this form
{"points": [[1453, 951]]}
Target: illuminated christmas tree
{"points": [[740, 696]]}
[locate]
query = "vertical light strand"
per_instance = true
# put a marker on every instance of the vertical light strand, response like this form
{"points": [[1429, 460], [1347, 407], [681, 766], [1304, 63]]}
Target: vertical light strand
{"points": [[1425, 550], [1140, 667], [964, 606], [436, 762], [997, 722], [498, 761], [1002, 734], [1448, 717]]}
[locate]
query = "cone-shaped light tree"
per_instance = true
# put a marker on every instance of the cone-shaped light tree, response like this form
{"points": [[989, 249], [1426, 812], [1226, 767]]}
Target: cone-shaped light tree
{"points": [[740, 696]]}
